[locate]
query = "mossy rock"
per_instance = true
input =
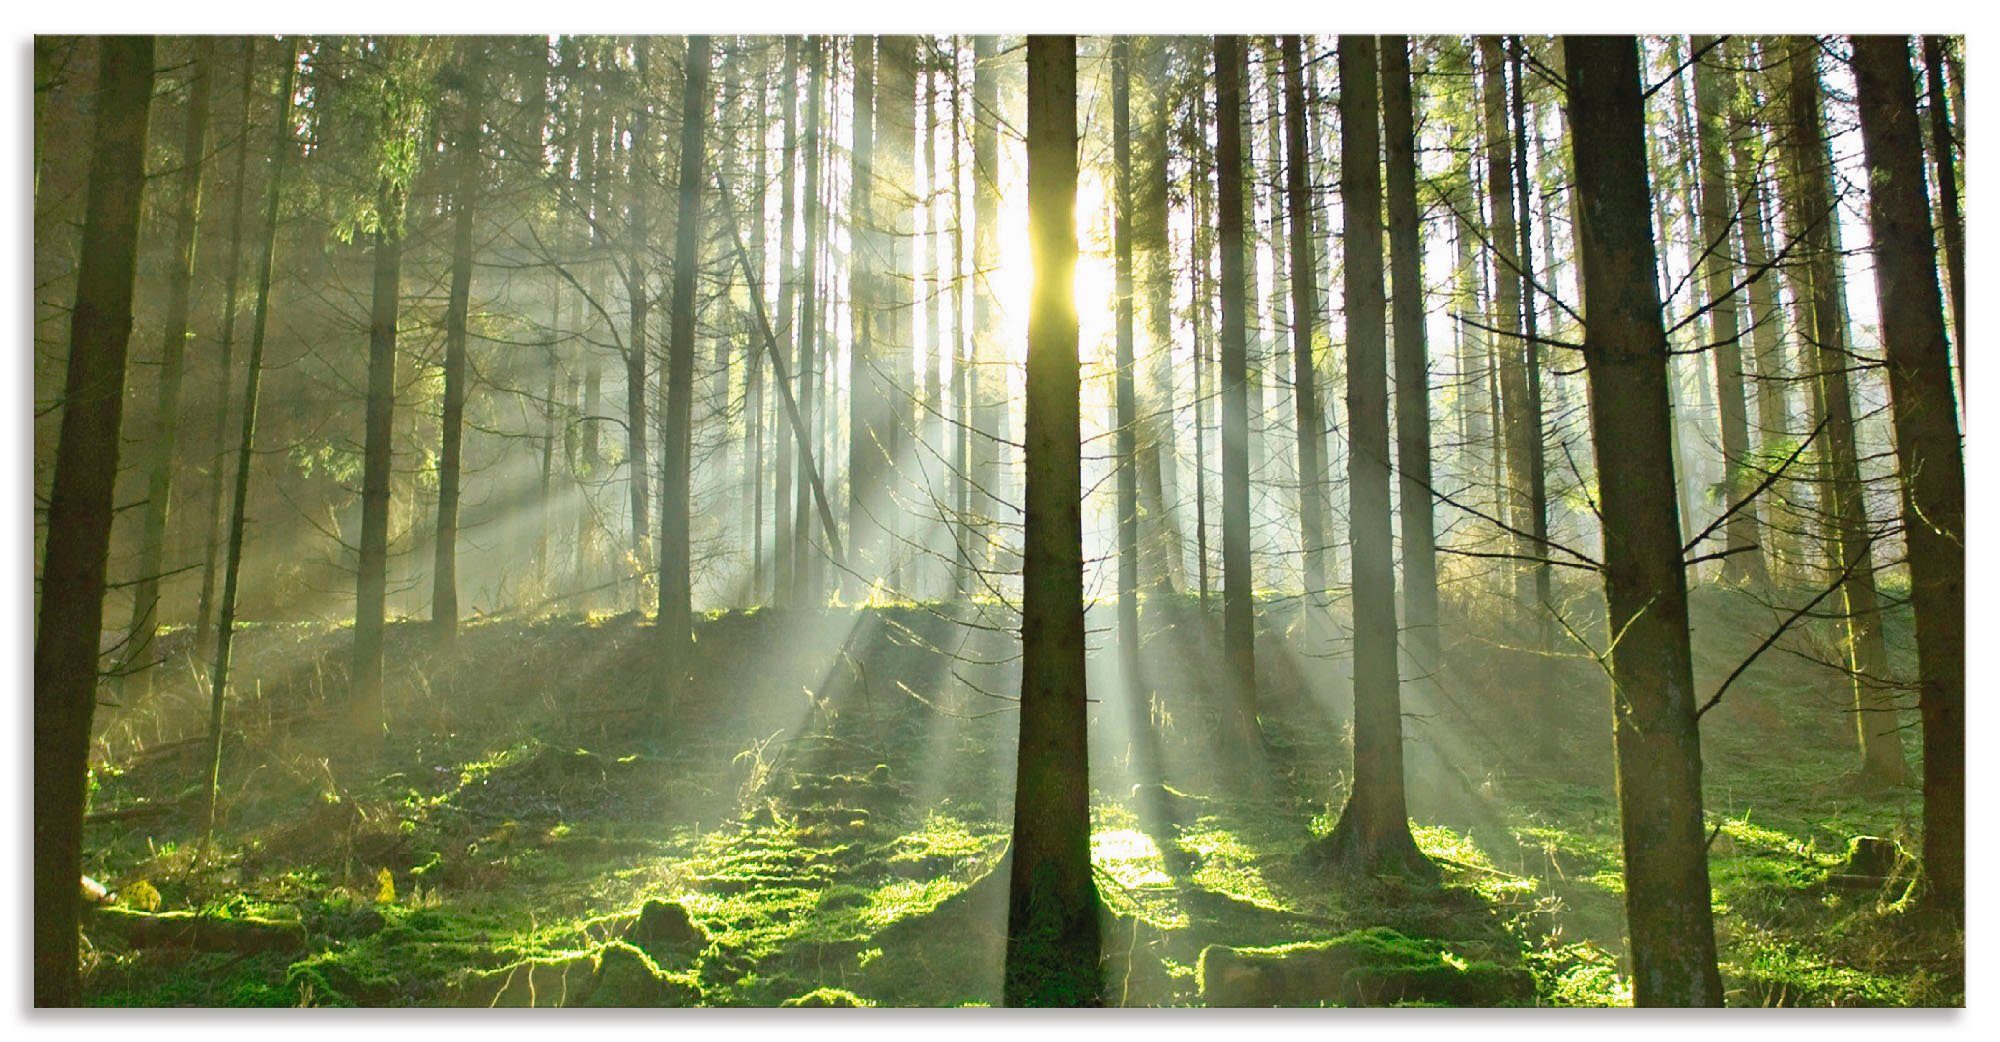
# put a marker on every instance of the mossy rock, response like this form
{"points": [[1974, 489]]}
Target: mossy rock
{"points": [[530, 982], [1372, 967], [824, 998], [663, 930], [626, 977], [1870, 862]]}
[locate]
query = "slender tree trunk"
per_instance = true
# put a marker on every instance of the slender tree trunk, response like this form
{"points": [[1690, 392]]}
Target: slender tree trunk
{"points": [[1718, 206], [676, 613], [795, 545], [80, 505], [218, 679], [1413, 410], [212, 517], [793, 333], [444, 572], [639, 301], [157, 444], [1153, 280], [1202, 172], [961, 382], [868, 459], [1654, 730], [371, 580], [893, 180], [1305, 323], [1052, 942], [1853, 542], [987, 386], [1530, 417], [1927, 441], [1516, 421], [1944, 147], [1238, 587], [1125, 434]]}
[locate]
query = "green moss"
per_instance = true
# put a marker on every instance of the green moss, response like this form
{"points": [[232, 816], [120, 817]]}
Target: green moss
{"points": [[1372, 967], [827, 997]]}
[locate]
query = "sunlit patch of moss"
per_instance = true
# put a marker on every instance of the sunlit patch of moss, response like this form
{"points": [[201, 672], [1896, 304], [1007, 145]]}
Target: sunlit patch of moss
{"points": [[1132, 877], [942, 837], [1476, 869], [903, 898], [1580, 974], [1781, 973], [1227, 866]]}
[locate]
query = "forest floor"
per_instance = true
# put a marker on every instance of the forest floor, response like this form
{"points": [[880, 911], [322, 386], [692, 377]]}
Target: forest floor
{"points": [[823, 820]]}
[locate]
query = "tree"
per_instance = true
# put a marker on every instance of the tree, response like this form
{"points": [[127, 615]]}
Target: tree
{"points": [[1238, 587], [161, 436], [1654, 732], [1718, 268], [1305, 325], [80, 505], [638, 296], [868, 440], [1373, 833], [1126, 433], [444, 570], [1052, 942], [1944, 143], [1413, 383], [1851, 544], [1927, 442], [675, 620]]}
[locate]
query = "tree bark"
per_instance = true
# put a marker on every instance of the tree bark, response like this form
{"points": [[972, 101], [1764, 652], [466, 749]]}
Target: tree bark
{"points": [[1503, 238], [1413, 410], [451, 424], [1125, 440], [1658, 744], [1305, 323], [1052, 941], [80, 505], [1944, 146], [868, 459], [1927, 442], [371, 579], [676, 612], [1238, 586], [162, 434]]}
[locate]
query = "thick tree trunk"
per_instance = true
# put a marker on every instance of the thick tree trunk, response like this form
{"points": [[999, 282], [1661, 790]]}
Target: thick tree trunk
{"points": [[1373, 833], [80, 505], [1658, 744], [451, 424], [1305, 323], [1238, 586], [1842, 495], [675, 620], [1927, 442], [160, 437], [1052, 942]]}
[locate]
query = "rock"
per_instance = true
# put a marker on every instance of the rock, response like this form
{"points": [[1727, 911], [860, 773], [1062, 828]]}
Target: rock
{"points": [[663, 929], [1373, 967], [626, 977]]}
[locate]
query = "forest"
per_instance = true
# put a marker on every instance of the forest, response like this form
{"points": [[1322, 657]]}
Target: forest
{"points": [[923, 520]]}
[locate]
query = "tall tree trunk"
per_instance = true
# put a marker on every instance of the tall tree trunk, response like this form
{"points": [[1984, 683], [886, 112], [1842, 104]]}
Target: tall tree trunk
{"points": [[1515, 421], [1153, 280], [1238, 586], [1853, 543], [638, 296], [1530, 414], [80, 505], [987, 384], [1413, 381], [676, 613], [1944, 147], [1774, 410], [798, 547], [868, 459], [371, 579], [1717, 244], [894, 179], [793, 332], [1657, 742], [1927, 441], [451, 425], [1305, 323], [1200, 279], [961, 382], [1373, 833], [1052, 942], [1125, 435], [157, 443], [282, 147], [212, 517]]}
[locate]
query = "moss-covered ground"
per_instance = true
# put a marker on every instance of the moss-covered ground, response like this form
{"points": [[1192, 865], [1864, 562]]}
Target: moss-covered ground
{"points": [[822, 819]]}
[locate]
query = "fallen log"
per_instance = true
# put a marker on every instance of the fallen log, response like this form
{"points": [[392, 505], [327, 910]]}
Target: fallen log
{"points": [[206, 933]]}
